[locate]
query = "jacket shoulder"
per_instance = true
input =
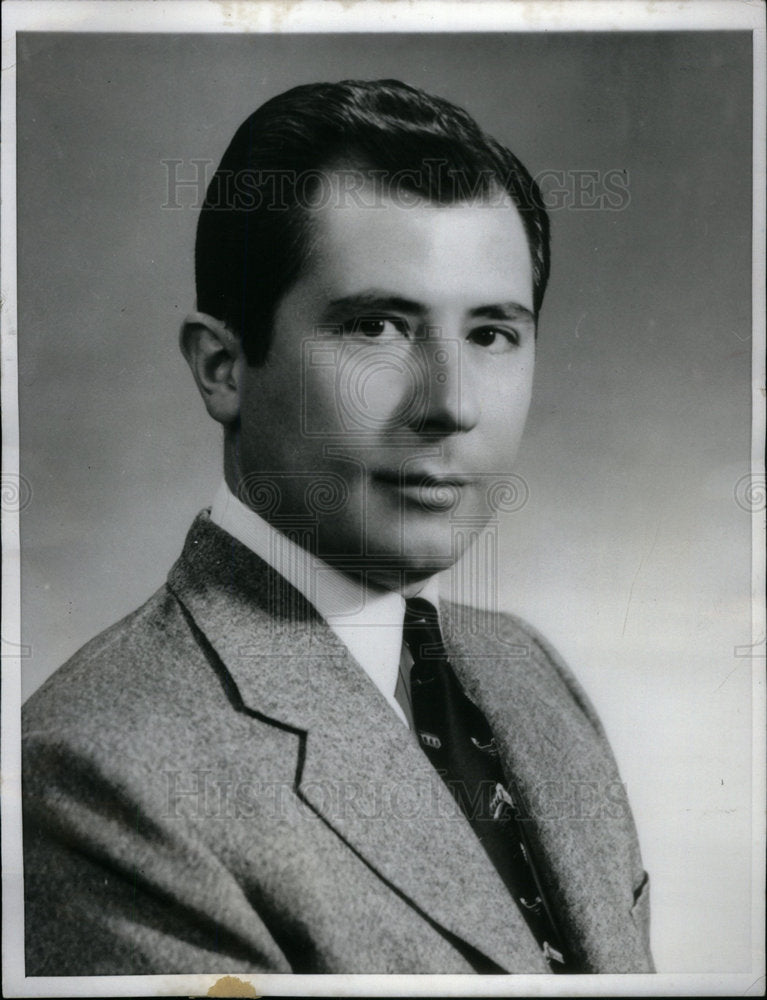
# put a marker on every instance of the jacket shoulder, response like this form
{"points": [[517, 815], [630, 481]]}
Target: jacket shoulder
{"points": [[108, 666], [509, 639], [140, 695], [129, 866]]}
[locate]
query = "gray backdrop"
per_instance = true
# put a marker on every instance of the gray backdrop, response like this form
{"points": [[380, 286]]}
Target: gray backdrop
{"points": [[632, 553]]}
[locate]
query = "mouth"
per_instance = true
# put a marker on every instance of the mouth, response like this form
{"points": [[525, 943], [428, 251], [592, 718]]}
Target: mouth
{"points": [[436, 492]]}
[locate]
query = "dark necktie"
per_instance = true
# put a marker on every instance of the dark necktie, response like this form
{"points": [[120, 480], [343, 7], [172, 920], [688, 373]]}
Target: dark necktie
{"points": [[456, 737]]}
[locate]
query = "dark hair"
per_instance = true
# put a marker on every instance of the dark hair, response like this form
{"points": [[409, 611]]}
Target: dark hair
{"points": [[252, 235]]}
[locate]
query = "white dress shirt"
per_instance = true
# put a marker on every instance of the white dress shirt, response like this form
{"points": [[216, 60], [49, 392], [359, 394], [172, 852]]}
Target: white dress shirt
{"points": [[368, 623]]}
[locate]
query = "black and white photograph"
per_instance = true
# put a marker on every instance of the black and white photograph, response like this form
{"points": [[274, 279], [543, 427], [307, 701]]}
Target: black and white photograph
{"points": [[383, 498]]}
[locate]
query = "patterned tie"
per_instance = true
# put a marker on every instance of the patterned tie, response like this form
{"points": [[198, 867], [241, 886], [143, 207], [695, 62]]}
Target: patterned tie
{"points": [[457, 739]]}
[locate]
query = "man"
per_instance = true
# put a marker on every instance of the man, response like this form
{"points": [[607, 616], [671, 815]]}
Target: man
{"points": [[294, 757]]}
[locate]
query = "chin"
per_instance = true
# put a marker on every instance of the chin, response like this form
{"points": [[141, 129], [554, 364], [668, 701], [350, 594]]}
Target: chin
{"points": [[421, 549], [416, 547]]}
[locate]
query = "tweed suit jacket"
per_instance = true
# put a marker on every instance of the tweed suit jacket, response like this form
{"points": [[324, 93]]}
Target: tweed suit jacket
{"points": [[214, 785]]}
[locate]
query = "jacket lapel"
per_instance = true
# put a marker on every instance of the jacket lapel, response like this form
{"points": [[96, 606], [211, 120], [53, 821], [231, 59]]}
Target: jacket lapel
{"points": [[579, 816], [409, 828], [362, 772]]}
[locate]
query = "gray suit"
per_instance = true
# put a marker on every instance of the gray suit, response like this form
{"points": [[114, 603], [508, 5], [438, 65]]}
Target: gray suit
{"points": [[215, 785]]}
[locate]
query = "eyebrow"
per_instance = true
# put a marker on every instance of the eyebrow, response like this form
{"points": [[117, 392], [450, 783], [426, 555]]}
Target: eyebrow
{"points": [[380, 301], [503, 311], [374, 301]]}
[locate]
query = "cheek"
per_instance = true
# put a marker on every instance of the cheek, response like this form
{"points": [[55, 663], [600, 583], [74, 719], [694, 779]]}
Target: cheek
{"points": [[382, 387], [318, 401], [360, 389], [501, 429], [505, 404]]}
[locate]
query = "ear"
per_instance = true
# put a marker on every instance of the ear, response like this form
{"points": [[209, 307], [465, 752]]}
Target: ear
{"points": [[213, 353]]}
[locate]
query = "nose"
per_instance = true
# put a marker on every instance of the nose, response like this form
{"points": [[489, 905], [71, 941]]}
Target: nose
{"points": [[450, 402]]}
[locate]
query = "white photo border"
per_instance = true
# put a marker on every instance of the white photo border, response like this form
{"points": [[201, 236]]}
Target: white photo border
{"points": [[321, 16]]}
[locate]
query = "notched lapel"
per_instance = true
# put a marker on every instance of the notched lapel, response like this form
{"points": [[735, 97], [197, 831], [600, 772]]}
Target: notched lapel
{"points": [[367, 778], [362, 772], [578, 812]]}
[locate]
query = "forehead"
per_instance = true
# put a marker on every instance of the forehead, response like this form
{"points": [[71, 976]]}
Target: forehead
{"points": [[464, 253]]}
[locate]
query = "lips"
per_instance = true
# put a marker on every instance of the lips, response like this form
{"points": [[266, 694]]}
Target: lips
{"points": [[427, 490], [424, 478]]}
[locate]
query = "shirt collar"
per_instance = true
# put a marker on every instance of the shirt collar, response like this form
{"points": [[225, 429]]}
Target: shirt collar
{"points": [[369, 623]]}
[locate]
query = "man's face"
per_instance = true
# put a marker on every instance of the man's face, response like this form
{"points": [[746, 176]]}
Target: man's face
{"points": [[396, 386]]}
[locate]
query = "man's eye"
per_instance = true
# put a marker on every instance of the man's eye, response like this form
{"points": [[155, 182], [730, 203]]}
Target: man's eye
{"points": [[378, 326], [495, 339]]}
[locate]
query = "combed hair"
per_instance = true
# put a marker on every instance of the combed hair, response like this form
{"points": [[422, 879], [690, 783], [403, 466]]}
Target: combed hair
{"points": [[253, 234]]}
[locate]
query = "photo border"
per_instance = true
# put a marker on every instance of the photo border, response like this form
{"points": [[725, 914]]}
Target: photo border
{"points": [[200, 16]]}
